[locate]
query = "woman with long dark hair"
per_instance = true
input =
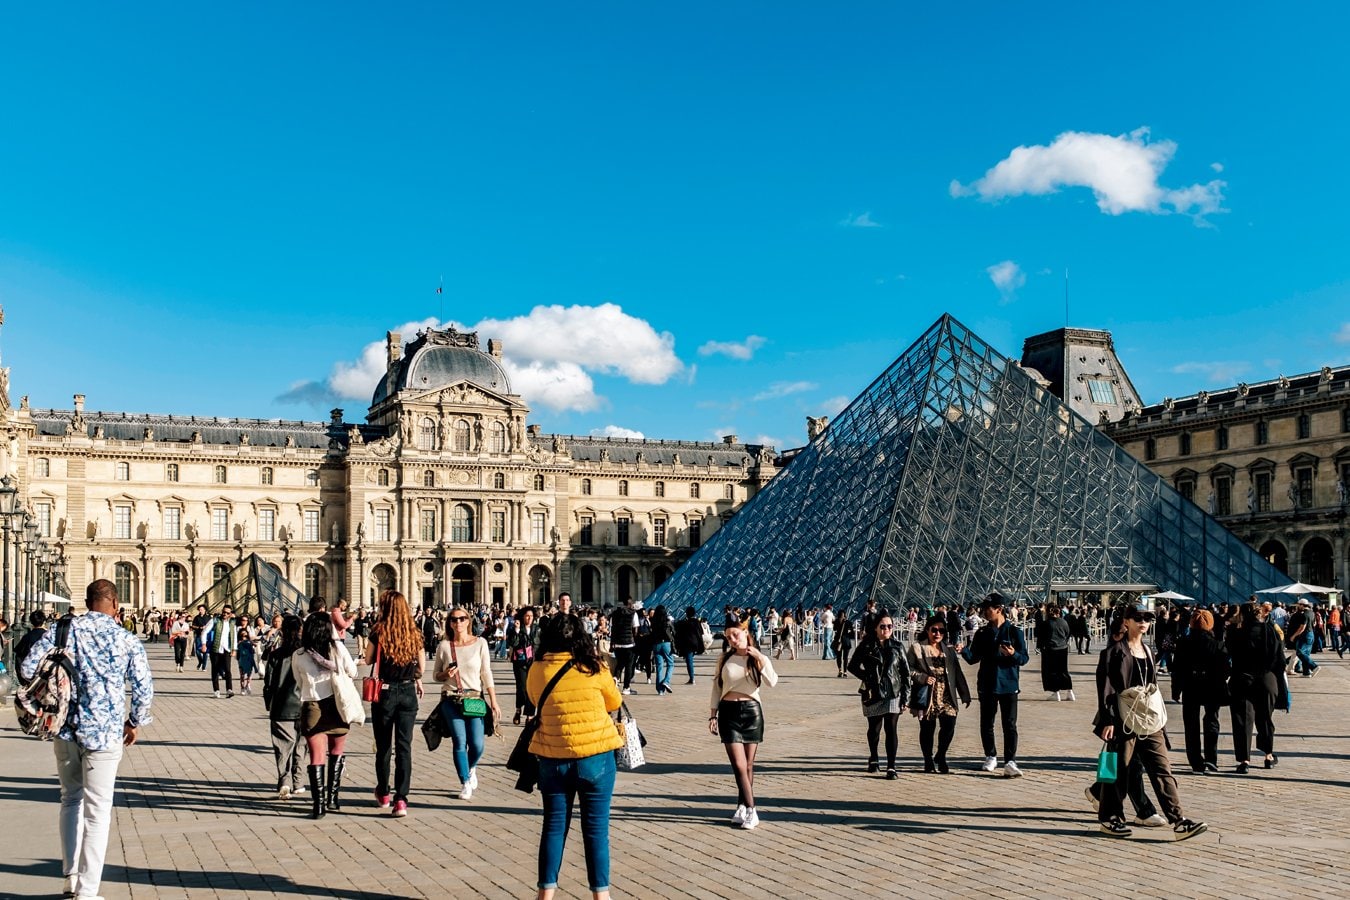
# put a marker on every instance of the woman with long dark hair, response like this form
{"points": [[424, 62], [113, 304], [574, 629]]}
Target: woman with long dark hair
{"points": [[663, 635], [1056, 633], [1200, 669], [315, 664], [575, 744], [737, 716], [880, 665], [1258, 660], [394, 652], [281, 698], [938, 684], [464, 668], [524, 640]]}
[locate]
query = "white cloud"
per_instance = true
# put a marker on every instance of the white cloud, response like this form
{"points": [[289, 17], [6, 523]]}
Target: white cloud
{"points": [[1008, 277], [616, 431], [744, 350], [1121, 170], [1343, 336], [1217, 167], [783, 388], [767, 441], [549, 355], [861, 221], [1218, 372], [835, 405]]}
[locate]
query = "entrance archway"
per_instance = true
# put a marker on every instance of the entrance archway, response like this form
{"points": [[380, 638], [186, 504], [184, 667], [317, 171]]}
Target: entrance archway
{"points": [[539, 586], [1317, 565], [1276, 555], [659, 575], [626, 580], [590, 587], [463, 583]]}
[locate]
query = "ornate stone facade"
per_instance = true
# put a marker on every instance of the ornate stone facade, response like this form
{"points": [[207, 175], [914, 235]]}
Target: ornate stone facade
{"points": [[444, 490]]}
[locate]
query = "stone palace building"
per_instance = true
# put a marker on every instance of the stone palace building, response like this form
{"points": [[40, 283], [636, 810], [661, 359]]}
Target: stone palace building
{"points": [[443, 490]]}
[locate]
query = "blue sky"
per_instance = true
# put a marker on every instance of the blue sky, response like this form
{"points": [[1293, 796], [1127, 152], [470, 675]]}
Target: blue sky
{"points": [[215, 209]]}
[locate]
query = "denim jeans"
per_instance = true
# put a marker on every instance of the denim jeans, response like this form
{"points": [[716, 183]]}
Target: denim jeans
{"points": [[826, 639], [467, 737], [560, 782], [665, 663], [689, 664], [393, 718], [1303, 649]]}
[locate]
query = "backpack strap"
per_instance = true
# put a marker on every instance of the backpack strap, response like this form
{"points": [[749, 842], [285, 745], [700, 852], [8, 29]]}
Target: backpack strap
{"points": [[63, 630]]}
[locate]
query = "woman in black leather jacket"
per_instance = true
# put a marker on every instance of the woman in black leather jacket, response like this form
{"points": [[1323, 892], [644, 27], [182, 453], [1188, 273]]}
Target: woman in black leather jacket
{"points": [[1258, 658], [1200, 682], [879, 663]]}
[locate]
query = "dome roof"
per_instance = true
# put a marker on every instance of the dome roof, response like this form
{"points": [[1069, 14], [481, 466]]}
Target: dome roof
{"points": [[442, 358]]}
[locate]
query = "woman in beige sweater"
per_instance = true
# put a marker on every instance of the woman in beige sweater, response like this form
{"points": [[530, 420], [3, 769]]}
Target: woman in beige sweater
{"points": [[737, 716], [464, 667]]}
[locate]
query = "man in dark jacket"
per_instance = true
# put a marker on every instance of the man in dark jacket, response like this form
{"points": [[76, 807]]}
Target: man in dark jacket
{"points": [[1000, 650], [689, 639]]}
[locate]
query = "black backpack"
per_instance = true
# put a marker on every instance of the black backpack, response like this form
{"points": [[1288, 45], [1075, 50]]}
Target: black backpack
{"points": [[49, 702]]}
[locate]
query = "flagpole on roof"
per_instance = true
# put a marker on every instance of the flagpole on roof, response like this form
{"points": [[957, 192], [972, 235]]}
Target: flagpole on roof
{"points": [[440, 295]]}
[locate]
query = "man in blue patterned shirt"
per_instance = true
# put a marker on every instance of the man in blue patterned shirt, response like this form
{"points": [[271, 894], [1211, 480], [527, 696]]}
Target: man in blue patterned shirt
{"points": [[106, 656]]}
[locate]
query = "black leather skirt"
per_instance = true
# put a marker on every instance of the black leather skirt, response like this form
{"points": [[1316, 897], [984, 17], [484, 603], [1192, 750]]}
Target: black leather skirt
{"points": [[740, 721]]}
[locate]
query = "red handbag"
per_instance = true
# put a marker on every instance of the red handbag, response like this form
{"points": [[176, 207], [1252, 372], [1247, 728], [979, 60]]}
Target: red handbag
{"points": [[370, 685]]}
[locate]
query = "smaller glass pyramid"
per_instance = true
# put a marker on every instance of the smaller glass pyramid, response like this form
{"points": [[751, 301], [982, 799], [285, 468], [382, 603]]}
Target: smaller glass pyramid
{"points": [[253, 588]]}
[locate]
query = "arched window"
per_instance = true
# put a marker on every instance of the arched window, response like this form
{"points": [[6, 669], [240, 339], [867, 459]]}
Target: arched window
{"points": [[43, 467], [313, 580], [498, 437], [428, 478], [173, 584], [660, 489], [266, 476], [221, 477], [426, 433], [729, 492], [382, 478], [693, 491], [586, 486], [462, 436], [122, 472], [539, 482], [124, 576], [312, 478], [461, 524], [498, 481], [171, 472], [623, 487], [219, 571]]}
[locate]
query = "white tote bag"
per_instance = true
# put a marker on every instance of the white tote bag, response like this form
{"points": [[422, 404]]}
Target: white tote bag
{"points": [[630, 755], [348, 698]]}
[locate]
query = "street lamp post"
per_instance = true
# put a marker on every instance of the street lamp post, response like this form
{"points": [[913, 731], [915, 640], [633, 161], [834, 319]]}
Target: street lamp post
{"points": [[30, 545], [9, 495]]}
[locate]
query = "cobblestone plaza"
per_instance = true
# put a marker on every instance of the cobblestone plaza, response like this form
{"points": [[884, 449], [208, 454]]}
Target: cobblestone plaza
{"points": [[195, 816]]}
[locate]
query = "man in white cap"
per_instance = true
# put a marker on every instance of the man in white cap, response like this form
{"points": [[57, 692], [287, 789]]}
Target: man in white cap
{"points": [[1300, 636]]}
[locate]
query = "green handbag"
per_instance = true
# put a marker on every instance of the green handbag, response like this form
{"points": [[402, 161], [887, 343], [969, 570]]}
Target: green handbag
{"points": [[1107, 766], [473, 707]]}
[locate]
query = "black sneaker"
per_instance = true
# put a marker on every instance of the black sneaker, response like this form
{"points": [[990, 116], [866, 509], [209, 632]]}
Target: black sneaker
{"points": [[891, 775], [1186, 828], [1117, 828], [873, 765]]}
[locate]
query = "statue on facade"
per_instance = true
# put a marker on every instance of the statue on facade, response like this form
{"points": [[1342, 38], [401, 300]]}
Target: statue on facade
{"points": [[1293, 496], [148, 434], [604, 454], [1243, 389], [1251, 499], [1212, 503], [1202, 398], [405, 425], [99, 433], [559, 445], [478, 434], [354, 437], [516, 440], [1284, 383], [815, 426], [290, 440], [1341, 494], [1326, 375], [334, 533]]}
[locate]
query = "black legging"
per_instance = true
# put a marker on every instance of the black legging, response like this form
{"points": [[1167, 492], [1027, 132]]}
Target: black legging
{"points": [[874, 724], [945, 726], [845, 651], [624, 660], [521, 667], [179, 651]]}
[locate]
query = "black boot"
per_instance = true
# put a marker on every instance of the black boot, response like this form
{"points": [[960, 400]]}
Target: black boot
{"points": [[336, 765], [318, 790]]}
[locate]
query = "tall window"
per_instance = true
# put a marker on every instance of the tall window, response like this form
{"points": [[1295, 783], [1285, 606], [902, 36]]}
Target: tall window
{"points": [[173, 584], [1221, 437], [265, 477], [587, 531], [173, 524], [586, 486], [658, 532], [171, 472], [1303, 487], [428, 524], [660, 489], [1101, 391], [1304, 424], [1223, 496], [122, 471], [1262, 432], [1187, 489], [498, 526], [498, 481], [695, 532], [426, 433], [220, 475], [381, 524], [124, 576], [313, 580], [1345, 420], [498, 440], [309, 525], [539, 482], [122, 522], [623, 488], [621, 531], [693, 491], [382, 478], [461, 524], [44, 518], [462, 436], [312, 478], [42, 467], [1150, 449], [220, 524], [729, 492], [1263, 492], [428, 478], [1184, 443], [219, 571], [538, 524], [267, 524]]}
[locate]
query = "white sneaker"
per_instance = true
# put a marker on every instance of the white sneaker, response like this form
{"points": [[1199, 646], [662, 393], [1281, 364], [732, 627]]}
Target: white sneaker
{"points": [[1010, 770], [1071, 696], [1154, 821], [751, 819], [1053, 695], [473, 778], [284, 792], [990, 763], [739, 815], [68, 890], [466, 792], [217, 693]]}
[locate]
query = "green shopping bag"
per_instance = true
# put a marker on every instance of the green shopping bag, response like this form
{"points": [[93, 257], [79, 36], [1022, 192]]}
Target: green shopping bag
{"points": [[1107, 766]]}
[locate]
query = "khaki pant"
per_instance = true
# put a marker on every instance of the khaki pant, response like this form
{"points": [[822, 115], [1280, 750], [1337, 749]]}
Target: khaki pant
{"points": [[1152, 753]]}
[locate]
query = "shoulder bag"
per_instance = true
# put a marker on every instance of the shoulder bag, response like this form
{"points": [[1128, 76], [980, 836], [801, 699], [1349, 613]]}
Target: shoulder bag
{"points": [[347, 698], [471, 705], [630, 755], [521, 759], [1142, 711], [370, 685]]}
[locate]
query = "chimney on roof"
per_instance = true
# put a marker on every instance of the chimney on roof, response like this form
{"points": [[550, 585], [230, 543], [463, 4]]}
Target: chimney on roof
{"points": [[534, 430], [728, 438], [393, 346], [79, 403], [495, 348]]}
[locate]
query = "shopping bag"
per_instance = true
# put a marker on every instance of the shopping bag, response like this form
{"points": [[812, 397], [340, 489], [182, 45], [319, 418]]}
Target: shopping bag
{"points": [[630, 755], [1107, 766]]}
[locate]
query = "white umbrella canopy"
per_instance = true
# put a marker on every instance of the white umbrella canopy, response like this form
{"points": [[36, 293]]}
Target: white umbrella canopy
{"points": [[1170, 595], [1297, 587]]}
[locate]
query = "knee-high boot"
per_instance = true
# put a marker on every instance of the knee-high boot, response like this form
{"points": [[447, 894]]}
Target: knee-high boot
{"points": [[336, 766], [318, 789]]}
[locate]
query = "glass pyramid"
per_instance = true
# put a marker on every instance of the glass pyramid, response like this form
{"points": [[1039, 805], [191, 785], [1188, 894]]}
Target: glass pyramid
{"points": [[253, 588], [955, 473]]}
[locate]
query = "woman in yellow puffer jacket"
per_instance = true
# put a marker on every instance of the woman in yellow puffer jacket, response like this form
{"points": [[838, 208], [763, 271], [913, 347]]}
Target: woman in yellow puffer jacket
{"points": [[575, 744]]}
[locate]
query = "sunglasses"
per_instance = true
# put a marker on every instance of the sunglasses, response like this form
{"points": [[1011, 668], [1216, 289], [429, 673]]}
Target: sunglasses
{"points": [[886, 627], [459, 618]]}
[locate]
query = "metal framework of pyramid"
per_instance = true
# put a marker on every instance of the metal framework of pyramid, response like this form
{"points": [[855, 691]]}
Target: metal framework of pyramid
{"points": [[254, 588], [956, 473]]}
